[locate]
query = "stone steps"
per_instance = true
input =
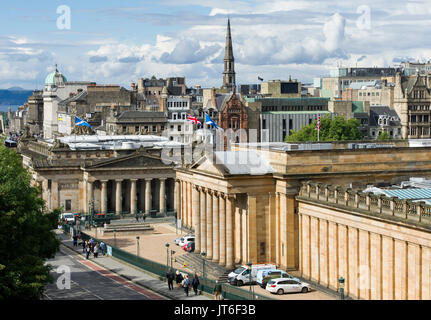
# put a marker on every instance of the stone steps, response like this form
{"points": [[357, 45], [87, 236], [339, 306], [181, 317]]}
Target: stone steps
{"points": [[212, 270]]}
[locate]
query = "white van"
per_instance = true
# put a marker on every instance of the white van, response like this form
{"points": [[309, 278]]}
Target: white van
{"points": [[261, 274], [241, 275], [68, 217]]}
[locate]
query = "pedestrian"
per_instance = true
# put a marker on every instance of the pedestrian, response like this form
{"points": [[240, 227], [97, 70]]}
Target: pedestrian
{"points": [[75, 240], [195, 284], [217, 291], [102, 248], [87, 251], [186, 285], [96, 250], [170, 276], [84, 245], [144, 216], [178, 279]]}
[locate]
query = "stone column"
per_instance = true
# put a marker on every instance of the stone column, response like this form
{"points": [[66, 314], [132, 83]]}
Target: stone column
{"points": [[177, 199], [230, 202], [118, 204], [162, 195], [209, 224], [104, 196], [90, 195], [222, 256], [216, 231], [203, 220], [148, 195], [196, 219], [142, 195], [133, 202]]}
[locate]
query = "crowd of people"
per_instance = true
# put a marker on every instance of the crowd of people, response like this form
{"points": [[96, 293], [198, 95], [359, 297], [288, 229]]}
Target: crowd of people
{"points": [[183, 281], [89, 246]]}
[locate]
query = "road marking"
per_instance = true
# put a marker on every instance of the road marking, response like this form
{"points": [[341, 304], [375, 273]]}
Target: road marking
{"points": [[108, 274]]}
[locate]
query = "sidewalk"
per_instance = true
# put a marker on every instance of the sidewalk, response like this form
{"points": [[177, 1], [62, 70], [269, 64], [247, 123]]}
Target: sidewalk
{"points": [[134, 274]]}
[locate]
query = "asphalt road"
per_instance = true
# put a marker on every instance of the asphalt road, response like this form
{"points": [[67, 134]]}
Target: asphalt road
{"points": [[89, 281]]}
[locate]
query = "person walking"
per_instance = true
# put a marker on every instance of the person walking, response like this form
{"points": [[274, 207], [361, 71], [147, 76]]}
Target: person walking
{"points": [[75, 240], [144, 216], [102, 248], [87, 251], [84, 245], [217, 291], [178, 279], [195, 284], [170, 276], [186, 285], [96, 250]]}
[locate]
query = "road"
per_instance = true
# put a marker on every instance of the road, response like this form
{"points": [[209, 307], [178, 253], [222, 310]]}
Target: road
{"points": [[89, 281]]}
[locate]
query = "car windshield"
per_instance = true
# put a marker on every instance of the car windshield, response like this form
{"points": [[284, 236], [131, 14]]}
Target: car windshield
{"points": [[239, 270]]}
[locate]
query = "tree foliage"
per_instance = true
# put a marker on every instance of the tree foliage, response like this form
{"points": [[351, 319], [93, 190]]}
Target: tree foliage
{"points": [[26, 237], [383, 136], [335, 129]]}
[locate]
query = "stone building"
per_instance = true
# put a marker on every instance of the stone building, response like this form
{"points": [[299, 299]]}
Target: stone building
{"points": [[116, 174], [136, 122], [412, 98]]}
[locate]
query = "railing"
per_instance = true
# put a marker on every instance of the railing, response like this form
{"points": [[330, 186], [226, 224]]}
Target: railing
{"points": [[207, 285], [366, 202]]}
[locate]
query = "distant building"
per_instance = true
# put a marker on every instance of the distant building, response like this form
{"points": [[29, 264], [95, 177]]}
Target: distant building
{"points": [[136, 122], [383, 118], [281, 89]]}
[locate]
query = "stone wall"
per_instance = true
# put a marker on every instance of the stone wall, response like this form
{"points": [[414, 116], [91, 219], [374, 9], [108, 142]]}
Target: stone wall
{"points": [[380, 245]]}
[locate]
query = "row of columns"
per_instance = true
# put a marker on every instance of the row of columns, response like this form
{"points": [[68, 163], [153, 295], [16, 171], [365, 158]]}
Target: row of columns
{"points": [[133, 192], [210, 214]]}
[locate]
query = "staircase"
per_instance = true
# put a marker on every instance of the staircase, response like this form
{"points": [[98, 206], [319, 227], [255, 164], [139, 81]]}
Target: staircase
{"points": [[213, 270]]}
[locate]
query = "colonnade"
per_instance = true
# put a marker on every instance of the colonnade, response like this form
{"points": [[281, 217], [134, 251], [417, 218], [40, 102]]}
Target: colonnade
{"points": [[210, 214], [145, 202]]}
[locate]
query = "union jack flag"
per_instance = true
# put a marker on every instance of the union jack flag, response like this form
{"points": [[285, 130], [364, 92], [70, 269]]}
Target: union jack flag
{"points": [[193, 119], [318, 123]]}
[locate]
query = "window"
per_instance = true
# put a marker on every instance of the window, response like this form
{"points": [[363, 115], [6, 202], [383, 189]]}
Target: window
{"points": [[68, 205], [172, 128], [146, 128], [179, 128], [174, 116], [124, 129], [154, 128], [136, 128]]}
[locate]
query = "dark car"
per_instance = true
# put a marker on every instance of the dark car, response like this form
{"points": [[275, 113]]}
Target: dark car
{"points": [[190, 247]]}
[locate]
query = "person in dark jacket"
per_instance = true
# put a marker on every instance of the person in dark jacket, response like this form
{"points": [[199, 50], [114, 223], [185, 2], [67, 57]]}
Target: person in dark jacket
{"points": [[195, 284], [186, 285], [178, 279], [75, 240], [170, 276]]}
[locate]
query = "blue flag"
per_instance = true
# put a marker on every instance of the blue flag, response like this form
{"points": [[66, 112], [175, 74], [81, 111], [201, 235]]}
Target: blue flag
{"points": [[210, 121], [80, 122]]}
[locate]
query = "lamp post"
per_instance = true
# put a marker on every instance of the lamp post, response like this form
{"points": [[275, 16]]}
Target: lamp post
{"points": [[167, 256], [341, 282], [203, 254], [137, 246], [249, 272], [115, 237], [172, 257]]}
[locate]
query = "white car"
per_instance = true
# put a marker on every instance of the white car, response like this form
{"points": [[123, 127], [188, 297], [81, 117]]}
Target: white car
{"points": [[186, 240], [178, 240], [283, 285]]}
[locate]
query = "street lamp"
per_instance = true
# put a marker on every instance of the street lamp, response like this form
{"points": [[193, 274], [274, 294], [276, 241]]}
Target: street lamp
{"points": [[203, 254], [341, 282], [115, 237], [137, 246], [167, 256], [172, 257], [249, 272]]}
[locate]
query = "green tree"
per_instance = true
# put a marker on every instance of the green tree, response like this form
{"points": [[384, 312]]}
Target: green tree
{"points": [[383, 136], [332, 129], [26, 236]]}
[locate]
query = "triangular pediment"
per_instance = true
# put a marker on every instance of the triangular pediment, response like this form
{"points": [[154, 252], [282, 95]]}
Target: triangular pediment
{"points": [[206, 165], [136, 160]]}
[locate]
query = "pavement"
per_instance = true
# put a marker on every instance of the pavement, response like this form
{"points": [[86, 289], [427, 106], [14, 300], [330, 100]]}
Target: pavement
{"points": [[133, 274]]}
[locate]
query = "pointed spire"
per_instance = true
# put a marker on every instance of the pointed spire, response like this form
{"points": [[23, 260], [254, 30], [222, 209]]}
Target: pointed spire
{"points": [[229, 61], [228, 48]]}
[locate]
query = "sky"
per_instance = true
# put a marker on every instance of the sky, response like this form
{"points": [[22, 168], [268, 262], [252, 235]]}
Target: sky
{"points": [[118, 42]]}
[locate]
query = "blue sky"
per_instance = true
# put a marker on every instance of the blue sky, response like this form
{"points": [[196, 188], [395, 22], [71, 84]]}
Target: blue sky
{"points": [[116, 42]]}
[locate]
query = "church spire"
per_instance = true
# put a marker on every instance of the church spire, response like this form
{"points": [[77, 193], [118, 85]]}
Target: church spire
{"points": [[229, 61]]}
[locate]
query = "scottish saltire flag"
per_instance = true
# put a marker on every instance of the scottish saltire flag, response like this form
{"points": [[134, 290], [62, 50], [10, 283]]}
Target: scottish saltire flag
{"points": [[210, 121], [80, 122]]}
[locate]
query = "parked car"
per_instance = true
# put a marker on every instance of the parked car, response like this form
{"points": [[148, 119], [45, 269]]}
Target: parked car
{"points": [[283, 285], [177, 241], [241, 275], [190, 247], [263, 276], [186, 240]]}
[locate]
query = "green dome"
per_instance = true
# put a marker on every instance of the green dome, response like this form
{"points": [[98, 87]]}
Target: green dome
{"points": [[54, 78]]}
